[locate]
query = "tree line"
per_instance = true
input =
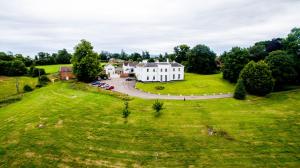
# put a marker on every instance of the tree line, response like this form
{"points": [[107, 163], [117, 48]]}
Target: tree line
{"points": [[270, 65]]}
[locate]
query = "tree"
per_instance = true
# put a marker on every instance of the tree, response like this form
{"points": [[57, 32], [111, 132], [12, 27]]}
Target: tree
{"points": [[157, 106], [161, 58], [126, 112], [233, 62], [136, 57], [151, 60], [282, 67], [85, 62], [181, 52], [123, 55], [145, 55], [6, 57], [274, 44], [292, 46], [257, 78], [17, 68], [258, 52], [104, 56], [201, 60], [63, 57], [240, 91]]}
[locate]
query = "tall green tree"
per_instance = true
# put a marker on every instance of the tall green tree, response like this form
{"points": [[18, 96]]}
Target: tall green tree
{"points": [[292, 46], [202, 60], [85, 62], [233, 62], [63, 57], [257, 78], [258, 52], [145, 55], [282, 67], [181, 52]]}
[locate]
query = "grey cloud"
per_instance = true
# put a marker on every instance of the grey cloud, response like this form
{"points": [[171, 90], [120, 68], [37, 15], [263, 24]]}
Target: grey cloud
{"points": [[29, 26]]}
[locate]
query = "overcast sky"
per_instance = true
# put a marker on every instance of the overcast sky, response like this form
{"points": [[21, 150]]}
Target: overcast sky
{"points": [[30, 26]]}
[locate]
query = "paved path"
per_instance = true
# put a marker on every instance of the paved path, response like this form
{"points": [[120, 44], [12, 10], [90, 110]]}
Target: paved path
{"points": [[128, 87]]}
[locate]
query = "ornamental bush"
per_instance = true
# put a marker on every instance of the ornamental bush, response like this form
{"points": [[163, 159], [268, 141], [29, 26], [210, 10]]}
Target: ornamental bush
{"points": [[257, 78], [240, 91], [27, 88], [159, 87]]}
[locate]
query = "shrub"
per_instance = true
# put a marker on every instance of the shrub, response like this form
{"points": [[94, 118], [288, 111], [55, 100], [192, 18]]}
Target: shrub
{"points": [[257, 78], [240, 91], [43, 80], [157, 106], [27, 88], [34, 72], [38, 85], [159, 87]]}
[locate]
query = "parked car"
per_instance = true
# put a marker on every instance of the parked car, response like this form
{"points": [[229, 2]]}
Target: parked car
{"points": [[129, 79], [101, 84], [110, 88], [95, 83], [105, 86]]}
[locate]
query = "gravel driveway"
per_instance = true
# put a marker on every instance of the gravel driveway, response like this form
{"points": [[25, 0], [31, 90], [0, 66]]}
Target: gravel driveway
{"points": [[128, 87]]}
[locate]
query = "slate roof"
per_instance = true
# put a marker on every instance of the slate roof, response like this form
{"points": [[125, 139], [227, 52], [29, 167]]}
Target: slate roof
{"points": [[65, 69], [155, 64], [132, 64]]}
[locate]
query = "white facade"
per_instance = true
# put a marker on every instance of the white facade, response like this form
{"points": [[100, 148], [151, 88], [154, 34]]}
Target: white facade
{"points": [[128, 68], [110, 70], [159, 72]]}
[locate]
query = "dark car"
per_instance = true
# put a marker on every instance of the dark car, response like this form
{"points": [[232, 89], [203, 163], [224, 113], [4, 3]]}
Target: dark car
{"points": [[129, 79]]}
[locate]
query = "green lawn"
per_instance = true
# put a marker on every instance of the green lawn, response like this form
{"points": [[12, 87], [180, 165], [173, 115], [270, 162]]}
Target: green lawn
{"points": [[8, 85], [63, 126], [193, 84], [50, 69]]}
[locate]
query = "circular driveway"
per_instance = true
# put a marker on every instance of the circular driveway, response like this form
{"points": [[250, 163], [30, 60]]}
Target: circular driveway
{"points": [[128, 87]]}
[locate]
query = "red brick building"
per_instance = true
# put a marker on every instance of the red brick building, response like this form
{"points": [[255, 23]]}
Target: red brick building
{"points": [[66, 73]]}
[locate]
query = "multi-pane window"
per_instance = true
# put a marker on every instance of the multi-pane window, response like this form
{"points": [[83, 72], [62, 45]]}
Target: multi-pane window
{"points": [[147, 77], [173, 76], [153, 70], [153, 77], [173, 69], [166, 70], [178, 76], [178, 69], [147, 70]]}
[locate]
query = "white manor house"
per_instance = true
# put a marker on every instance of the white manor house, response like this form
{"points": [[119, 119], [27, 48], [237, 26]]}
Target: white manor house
{"points": [[152, 71]]}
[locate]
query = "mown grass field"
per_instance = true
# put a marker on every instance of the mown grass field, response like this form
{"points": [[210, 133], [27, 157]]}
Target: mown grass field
{"points": [[50, 69], [62, 125], [193, 84], [8, 85]]}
